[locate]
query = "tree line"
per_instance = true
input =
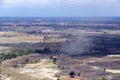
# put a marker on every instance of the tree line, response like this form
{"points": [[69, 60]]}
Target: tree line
{"points": [[15, 54]]}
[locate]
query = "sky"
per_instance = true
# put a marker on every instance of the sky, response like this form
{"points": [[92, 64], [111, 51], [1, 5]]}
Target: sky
{"points": [[59, 8]]}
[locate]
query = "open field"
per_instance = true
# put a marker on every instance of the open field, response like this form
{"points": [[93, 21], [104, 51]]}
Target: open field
{"points": [[13, 37], [92, 67], [12, 75], [89, 67], [44, 70], [51, 48], [4, 48]]}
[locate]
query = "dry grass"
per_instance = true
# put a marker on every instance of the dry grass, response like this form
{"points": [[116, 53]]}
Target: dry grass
{"points": [[43, 70], [13, 37], [4, 48], [17, 76], [56, 40], [113, 71], [68, 78]]}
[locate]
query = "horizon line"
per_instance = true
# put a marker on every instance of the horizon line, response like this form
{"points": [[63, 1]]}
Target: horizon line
{"points": [[59, 16]]}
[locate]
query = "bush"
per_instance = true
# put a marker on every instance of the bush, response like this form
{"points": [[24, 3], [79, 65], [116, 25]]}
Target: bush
{"points": [[100, 79], [14, 54], [72, 74]]}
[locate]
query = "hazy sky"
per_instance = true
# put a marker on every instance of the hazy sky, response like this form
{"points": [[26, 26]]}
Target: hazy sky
{"points": [[57, 8]]}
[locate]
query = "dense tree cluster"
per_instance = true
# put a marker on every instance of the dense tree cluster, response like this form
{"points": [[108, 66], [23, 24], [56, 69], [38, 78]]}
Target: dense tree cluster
{"points": [[14, 54], [45, 50]]}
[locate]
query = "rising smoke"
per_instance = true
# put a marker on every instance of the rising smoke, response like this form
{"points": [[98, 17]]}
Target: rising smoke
{"points": [[80, 44]]}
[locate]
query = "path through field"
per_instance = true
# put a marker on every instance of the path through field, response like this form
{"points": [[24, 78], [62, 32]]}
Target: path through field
{"points": [[44, 70]]}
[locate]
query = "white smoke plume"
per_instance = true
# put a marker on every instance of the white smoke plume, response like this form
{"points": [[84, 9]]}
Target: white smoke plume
{"points": [[80, 44]]}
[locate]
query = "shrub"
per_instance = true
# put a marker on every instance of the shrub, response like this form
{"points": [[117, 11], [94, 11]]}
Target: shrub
{"points": [[100, 79]]}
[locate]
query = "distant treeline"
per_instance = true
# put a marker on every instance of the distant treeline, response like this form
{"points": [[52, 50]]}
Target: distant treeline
{"points": [[86, 25]]}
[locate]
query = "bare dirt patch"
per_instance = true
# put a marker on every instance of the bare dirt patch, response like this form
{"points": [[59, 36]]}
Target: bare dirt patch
{"points": [[44, 70]]}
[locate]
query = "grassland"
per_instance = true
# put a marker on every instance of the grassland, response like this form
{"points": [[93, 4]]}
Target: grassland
{"points": [[44, 70], [89, 67], [15, 75], [13, 37]]}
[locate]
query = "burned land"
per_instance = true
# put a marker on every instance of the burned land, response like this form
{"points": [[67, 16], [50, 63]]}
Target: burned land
{"points": [[60, 48]]}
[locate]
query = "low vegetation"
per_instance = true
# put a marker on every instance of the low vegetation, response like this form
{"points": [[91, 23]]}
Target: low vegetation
{"points": [[16, 76], [100, 79], [14, 54]]}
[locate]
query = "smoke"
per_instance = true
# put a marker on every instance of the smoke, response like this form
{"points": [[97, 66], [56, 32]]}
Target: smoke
{"points": [[79, 44]]}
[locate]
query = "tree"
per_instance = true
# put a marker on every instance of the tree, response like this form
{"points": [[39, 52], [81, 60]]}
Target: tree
{"points": [[0, 67], [27, 60], [46, 50], [79, 74], [15, 66], [72, 74], [58, 76], [54, 60], [51, 57]]}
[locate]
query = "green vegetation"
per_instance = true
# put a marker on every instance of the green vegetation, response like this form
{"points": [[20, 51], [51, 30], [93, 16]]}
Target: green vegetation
{"points": [[45, 50], [14, 54], [72, 74], [100, 79], [54, 60]]}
